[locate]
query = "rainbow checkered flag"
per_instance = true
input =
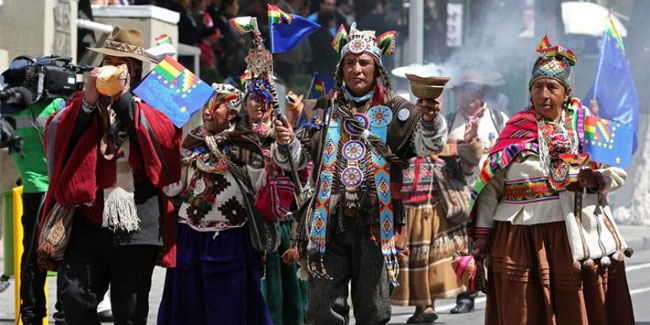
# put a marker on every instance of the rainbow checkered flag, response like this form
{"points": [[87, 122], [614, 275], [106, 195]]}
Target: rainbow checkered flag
{"points": [[322, 86], [174, 90], [287, 30], [608, 142]]}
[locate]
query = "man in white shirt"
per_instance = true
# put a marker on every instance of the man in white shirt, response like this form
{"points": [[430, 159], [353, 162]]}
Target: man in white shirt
{"points": [[474, 119]]}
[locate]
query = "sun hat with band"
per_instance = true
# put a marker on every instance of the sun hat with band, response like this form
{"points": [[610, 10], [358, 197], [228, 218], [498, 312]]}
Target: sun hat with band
{"points": [[123, 42], [555, 62]]}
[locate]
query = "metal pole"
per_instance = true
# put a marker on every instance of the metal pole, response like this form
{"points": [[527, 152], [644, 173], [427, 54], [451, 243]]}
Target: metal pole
{"points": [[311, 84], [284, 148], [416, 31]]}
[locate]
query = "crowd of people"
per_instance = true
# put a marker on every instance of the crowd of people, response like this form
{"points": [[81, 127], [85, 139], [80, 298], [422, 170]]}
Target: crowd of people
{"points": [[260, 219], [204, 24]]}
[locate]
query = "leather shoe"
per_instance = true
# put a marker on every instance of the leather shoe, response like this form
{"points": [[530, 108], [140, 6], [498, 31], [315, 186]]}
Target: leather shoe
{"points": [[463, 307], [423, 318]]}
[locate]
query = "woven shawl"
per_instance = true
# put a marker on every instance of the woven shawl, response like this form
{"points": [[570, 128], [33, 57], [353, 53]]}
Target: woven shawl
{"points": [[518, 139]]}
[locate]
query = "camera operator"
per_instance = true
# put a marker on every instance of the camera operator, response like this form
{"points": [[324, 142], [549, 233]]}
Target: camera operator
{"points": [[111, 154], [32, 168]]}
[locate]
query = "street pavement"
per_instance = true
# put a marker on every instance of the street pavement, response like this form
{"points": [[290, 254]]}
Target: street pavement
{"points": [[638, 268]]}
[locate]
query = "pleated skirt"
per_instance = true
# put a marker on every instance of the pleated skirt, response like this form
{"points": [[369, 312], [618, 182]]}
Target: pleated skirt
{"points": [[532, 279]]}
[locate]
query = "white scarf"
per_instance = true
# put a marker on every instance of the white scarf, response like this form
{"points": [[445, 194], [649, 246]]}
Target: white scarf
{"points": [[120, 210]]}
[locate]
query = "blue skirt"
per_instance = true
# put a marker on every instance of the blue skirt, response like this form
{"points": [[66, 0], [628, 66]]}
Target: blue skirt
{"points": [[215, 281]]}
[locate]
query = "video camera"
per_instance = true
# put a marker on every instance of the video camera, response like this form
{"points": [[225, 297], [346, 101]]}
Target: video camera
{"points": [[46, 76]]}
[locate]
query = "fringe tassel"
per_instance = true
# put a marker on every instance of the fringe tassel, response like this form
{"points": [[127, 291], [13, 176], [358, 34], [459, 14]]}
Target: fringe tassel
{"points": [[120, 212], [588, 264], [302, 272], [392, 267], [577, 266], [317, 269], [352, 198], [446, 244], [605, 261], [628, 252]]}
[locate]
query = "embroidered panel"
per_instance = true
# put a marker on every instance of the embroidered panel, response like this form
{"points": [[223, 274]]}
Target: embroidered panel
{"points": [[529, 191]]}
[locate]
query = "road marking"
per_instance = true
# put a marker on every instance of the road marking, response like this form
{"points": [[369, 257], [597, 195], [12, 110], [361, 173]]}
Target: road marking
{"points": [[642, 290], [480, 300], [637, 267]]}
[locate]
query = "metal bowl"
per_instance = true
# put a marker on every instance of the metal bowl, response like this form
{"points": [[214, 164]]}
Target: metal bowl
{"points": [[427, 88]]}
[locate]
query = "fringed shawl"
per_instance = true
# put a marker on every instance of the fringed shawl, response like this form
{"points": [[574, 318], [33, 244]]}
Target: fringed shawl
{"points": [[79, 173]]}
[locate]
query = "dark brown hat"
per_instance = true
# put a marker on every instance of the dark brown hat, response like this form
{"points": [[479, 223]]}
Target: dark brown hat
{"points": [[124, 42]]}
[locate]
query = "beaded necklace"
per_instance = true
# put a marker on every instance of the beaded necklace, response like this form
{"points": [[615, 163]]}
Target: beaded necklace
{"points": [[556, 139]]}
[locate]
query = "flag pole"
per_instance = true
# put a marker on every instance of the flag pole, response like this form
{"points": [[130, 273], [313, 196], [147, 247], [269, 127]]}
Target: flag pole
{"points": [[311, 84], [600, 63], [268, 73]]}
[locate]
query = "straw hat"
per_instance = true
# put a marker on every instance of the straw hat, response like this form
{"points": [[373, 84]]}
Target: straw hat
{"points": [[124, 42]]}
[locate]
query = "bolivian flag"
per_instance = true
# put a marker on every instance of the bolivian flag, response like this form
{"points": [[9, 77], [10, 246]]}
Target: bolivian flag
{"points": [[174, 90], [608, 142], [277, 16], [287, 30]]}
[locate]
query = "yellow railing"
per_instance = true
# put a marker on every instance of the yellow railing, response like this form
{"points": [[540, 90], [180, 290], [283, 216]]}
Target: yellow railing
{"points": [[17, 203]]}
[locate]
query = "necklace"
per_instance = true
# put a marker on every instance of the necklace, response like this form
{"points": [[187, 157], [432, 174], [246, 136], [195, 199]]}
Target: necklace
{"points": [[215, 162], [556, 139]]}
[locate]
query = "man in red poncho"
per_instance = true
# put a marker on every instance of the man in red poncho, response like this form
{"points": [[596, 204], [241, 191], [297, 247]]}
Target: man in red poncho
{"points": [[109, 155]]}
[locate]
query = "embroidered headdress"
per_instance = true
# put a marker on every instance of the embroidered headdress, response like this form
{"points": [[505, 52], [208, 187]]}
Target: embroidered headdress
{"points": [[257, 86], [228, 94], [555, 62], [359, 42]]}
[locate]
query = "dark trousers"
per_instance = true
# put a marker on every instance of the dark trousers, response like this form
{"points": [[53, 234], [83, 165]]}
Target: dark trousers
{"points": [[91, 262], [351, 256], [32, 279]]}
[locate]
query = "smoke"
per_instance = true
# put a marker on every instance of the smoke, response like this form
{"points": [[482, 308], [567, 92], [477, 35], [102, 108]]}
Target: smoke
{"points": [[423, 70], [492, 48], [499, 40]]}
